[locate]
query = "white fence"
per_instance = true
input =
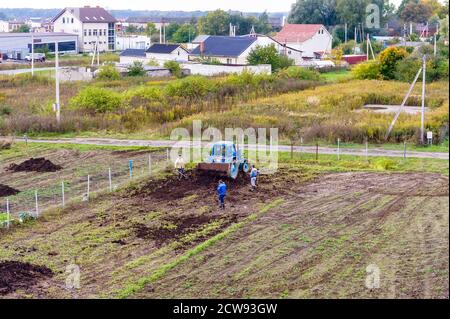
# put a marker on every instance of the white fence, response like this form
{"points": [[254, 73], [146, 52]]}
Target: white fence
{"points": [[60, 193], [211, 69]]}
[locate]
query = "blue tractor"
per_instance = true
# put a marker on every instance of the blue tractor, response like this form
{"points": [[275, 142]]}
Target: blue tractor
{"points": [[225, 158]]}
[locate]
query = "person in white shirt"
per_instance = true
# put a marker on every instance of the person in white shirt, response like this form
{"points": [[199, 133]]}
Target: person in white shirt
{"points": [[179, 165]]}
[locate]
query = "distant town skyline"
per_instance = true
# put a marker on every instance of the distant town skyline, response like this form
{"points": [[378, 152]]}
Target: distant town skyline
{"points": [[167, 5]]}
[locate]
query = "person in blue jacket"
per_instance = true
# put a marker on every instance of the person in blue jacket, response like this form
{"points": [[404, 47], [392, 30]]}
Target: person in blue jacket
{"points": [[222, 192], [253, 178]]}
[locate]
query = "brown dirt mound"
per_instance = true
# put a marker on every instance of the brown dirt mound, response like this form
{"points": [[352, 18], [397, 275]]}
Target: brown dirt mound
{"points": [[35, 165], [197, 182], [5, 191], [15, 275], [176, 227]]}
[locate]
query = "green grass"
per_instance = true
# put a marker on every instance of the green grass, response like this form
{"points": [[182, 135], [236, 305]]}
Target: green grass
{"points": [[23, 149], [330, 163], [336, 76]]}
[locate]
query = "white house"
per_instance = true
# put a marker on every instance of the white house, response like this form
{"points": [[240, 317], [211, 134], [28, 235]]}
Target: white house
{"points": [[235, 50], [312, 39], [93, 25], [162, 52], [158, 52]]}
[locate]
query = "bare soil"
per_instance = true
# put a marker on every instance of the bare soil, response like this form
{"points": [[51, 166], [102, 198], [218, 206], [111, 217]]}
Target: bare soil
{"points": [[317, 243], [16, 275], [35, 165], [5, 191]]}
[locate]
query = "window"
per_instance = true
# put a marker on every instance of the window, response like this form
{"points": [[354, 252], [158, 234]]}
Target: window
{"points": [[90, 32], [229, 61], [95, 32], [64, 20], [85, 32], [72, 20]]}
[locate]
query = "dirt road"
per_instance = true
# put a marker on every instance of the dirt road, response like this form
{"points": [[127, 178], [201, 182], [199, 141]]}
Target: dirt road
{"points": [[284, 148]]}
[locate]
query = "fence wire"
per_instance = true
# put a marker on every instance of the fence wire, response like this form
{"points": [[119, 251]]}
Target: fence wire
{"points": [[35, 201]]}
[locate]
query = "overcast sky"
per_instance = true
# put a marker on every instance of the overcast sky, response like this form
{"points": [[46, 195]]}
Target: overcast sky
{"points": [[184, 5]]}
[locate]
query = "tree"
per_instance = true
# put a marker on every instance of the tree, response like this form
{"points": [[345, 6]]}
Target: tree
{"points": [[215, 23], [150, 29], [171, 29], [131, 29], [389, 59], [268, 55], [418, 12], [184, 34], [174, 68], [24, 28], [263, 26], [352, 12], [136, 69], [313, 12]]}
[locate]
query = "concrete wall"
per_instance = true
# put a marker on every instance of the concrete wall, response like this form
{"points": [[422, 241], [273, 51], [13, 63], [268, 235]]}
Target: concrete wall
{"points": [[209, 70], [131, 59]]}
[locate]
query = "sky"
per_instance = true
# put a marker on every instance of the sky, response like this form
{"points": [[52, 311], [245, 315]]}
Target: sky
{"points": [[164, 5]]}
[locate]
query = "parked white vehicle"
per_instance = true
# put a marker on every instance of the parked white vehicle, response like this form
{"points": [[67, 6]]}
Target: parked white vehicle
{"points": [[37, 57]]}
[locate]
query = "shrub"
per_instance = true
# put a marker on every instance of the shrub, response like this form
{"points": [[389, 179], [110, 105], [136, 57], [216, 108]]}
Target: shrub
{"points": [[269, 55], [136, 69], [389, 59], [108, 72], [384, 164], [97, 100], [174, 68], [190, 87], [369, 70], [295, 72], [143, 95], [406, 70]]}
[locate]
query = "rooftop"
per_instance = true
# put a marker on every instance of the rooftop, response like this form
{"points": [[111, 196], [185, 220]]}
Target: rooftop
{"points": [[133, 53], [34, 34], [297, 32], [89, 14], [224, 46], [162, 48]]}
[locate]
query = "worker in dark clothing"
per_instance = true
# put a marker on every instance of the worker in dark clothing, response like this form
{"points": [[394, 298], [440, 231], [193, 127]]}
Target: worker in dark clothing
{"points": [[222, 192]]}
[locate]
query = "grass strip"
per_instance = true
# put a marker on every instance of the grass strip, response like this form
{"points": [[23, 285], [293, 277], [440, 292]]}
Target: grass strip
{"points": [[162, 270]]}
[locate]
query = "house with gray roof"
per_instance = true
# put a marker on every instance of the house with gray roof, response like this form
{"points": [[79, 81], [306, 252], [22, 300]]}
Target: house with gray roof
{"points": [[158, 52], [235, 50], [94, 26]]}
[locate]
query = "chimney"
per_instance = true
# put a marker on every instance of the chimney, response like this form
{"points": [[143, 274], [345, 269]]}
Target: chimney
{"points": [[202, 47]]}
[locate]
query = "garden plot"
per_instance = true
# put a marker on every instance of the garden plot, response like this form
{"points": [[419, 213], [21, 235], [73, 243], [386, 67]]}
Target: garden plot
{"points": [[299, 235]]}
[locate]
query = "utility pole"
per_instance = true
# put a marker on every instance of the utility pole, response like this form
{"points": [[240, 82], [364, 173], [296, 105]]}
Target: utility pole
{"points": [[98, 54], [32, 54], [367, 47], [345, 33], [57, 104], [422, 122]]}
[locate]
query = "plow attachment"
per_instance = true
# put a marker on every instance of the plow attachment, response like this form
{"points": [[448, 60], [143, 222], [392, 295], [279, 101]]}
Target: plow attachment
{"points": [[223, 169]]}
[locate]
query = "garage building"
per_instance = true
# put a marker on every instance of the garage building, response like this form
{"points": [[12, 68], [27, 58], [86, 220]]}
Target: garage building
{"points": [[18, 45]]}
